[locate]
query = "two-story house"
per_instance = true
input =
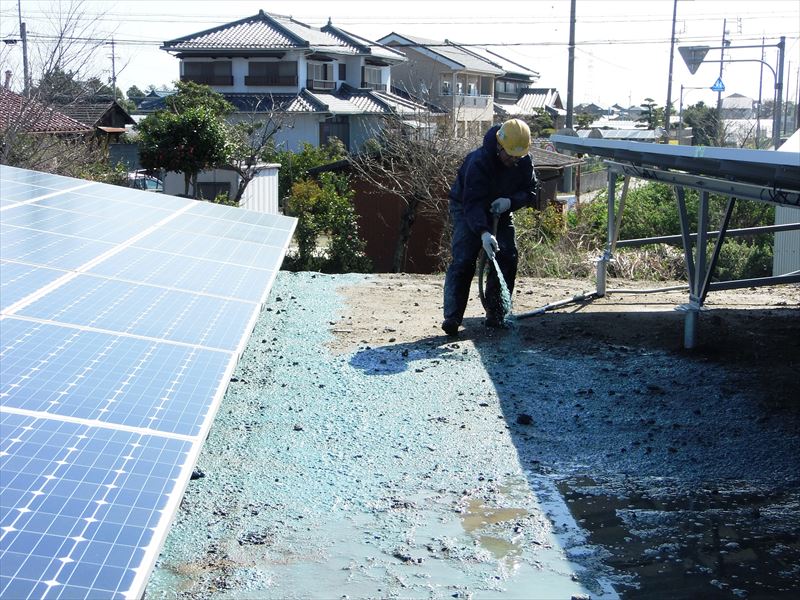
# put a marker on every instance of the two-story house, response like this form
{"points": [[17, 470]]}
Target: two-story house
{"points": [[324, 81], [474, 83], [449, 76]]}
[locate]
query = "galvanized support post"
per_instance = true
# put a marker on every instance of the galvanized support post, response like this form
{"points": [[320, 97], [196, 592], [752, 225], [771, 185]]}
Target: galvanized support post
{"points": [[602, 262], [687, 240], [723, 228], [696, 284]]}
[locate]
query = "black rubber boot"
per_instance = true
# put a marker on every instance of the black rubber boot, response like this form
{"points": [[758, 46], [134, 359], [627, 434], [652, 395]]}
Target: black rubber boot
{"points": [[450, 327]]}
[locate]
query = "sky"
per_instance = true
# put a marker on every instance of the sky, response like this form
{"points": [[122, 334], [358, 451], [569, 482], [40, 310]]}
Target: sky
{"points": [[622, 47]]}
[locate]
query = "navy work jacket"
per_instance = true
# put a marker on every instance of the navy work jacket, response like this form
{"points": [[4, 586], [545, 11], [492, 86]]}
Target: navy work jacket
{"points": [[482, 178]]}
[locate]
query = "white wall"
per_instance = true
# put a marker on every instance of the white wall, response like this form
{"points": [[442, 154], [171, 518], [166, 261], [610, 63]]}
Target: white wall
{"points": [[261, 194], [786, 253]]}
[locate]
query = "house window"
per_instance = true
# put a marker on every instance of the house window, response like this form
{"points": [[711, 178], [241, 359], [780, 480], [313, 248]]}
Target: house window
{"points": [[271, 73], [208, 73], [459, 88], [446, 87], [342, 72], [472, 89], [320, 76], [372, 78], [338, 127], [209, 190]]}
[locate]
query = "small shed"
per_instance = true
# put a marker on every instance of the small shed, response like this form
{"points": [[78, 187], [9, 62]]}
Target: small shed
{"points": [[786, 253], [108, 119]]}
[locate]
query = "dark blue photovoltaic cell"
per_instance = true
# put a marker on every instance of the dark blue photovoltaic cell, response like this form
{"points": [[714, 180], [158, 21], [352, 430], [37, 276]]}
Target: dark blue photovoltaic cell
{"points": [[247, 254], [123, 315], [41, 218], [147, 311], [80, 506], [48, 249], [189, 274], [110, 378], [18, 281]]}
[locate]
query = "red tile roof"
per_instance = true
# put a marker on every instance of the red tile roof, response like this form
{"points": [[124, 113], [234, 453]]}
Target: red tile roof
{"points": [[32, 116]]}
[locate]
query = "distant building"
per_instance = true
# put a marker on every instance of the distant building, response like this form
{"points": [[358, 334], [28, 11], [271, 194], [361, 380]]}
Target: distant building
{"points": [[737, 106]]}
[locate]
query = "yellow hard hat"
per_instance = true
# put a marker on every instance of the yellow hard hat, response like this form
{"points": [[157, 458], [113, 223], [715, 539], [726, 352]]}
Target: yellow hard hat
{"points": [[515, 137]]}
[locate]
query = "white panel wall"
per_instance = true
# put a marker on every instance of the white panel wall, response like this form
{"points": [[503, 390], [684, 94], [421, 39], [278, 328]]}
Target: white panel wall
{"points": [[786, 257], [786, 252], [261, 194]]}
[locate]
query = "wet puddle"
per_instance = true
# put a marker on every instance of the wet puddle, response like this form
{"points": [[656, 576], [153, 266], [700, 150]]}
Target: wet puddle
{"points": [[705, 542], [480, 518]]}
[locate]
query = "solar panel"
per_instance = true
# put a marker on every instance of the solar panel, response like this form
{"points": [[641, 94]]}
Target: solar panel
{"points": [[123, 315]]}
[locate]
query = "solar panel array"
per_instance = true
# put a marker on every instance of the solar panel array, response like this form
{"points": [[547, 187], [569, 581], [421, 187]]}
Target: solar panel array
{"points": [[123, 315]]}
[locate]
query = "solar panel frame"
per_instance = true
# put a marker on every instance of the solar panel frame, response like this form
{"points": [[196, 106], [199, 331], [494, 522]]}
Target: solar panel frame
{"points": [[68, 366]]}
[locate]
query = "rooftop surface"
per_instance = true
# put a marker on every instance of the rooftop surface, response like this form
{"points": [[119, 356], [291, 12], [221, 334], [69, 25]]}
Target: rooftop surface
{"points": [[359, 453]]}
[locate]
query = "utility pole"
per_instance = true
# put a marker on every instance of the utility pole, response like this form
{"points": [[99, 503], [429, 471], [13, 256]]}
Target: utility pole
{"points": [[776, 125], [721, 63], [113, 71], [760, 82], [668, 105], [571, 66], [786, 103], [23, 34]]}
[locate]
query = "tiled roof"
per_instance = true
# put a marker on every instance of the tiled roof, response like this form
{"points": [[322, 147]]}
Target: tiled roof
{"points": [[544, 158], [290, 103], [344, 101], [446, 49], [531, 101], [33, 117], [92, 112], [507, 65], [373, 48], [275, 32]]}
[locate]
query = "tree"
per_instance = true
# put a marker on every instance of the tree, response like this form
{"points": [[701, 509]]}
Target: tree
{"points": [[189, 136], [295, 165], [134, 93], [416, 164], [61, 66], [652, 114], [705, 124], [186, 142], [252, 142], [584, 120], [191, 95], [326, 207]]}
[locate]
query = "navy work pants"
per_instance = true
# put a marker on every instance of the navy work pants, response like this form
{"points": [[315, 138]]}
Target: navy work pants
{"points": [[466, 246]]}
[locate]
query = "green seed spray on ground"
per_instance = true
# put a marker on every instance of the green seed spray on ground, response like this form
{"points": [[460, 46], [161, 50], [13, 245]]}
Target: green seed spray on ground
{"points": [[505, 295]]}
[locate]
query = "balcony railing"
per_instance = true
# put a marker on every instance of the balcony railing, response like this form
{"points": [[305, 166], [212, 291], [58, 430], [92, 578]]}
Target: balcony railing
{"points": [[381, 87], [466, 101], [290, 80], [474, 101], [209, 79], [320, 84]]}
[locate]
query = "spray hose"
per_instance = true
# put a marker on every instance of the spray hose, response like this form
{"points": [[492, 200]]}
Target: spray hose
{"points": [[482, 264]]}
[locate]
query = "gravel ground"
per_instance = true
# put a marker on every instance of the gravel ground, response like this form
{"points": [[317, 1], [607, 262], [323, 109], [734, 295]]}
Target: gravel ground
{"points": [[359, 453]]}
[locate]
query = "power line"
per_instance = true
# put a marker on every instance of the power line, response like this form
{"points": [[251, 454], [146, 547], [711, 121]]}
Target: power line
{"points": [[646, 41]]}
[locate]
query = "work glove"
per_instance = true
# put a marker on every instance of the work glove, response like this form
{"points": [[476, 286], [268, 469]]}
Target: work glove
{"points": [[501, 205], [489, 244]]}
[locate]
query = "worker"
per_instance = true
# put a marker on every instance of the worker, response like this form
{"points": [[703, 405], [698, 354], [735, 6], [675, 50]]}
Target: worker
{"points": [[494, 180]]}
